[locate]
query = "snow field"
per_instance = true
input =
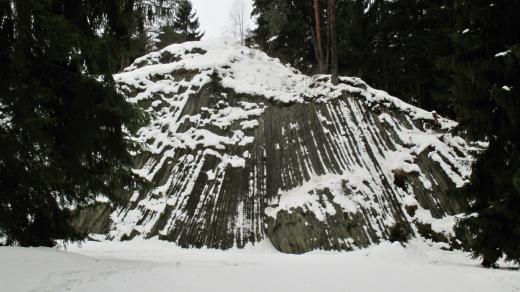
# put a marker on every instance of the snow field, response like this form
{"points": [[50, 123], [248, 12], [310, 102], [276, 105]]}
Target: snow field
{"points": [[151, 265]]}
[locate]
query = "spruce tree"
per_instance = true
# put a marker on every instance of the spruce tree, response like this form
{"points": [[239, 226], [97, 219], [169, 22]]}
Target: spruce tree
{"points": [[284, 30], [156, 15], [186, 22], [393, 45], [61, 119], [168, 36], [486, 97], [406, 39]]}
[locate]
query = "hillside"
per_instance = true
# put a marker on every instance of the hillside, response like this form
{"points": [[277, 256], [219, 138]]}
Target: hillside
{"points": [[240, 148]]}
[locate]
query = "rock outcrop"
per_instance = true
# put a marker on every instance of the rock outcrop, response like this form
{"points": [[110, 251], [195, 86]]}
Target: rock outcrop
{"points": [[242, 148]]}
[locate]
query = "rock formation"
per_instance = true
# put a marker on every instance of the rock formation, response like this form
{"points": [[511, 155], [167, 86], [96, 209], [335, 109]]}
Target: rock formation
{"points": [[241, 148]]}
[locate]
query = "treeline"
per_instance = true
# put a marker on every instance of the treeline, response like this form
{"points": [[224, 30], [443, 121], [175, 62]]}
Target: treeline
{"points": [[63, 125], [393, 45], [159, 23], [458, 57]]}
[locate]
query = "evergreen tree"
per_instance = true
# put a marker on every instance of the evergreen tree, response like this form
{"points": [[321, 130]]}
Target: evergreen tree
{"points": [[157, 17], [393, 45], [406, 38], [156, 13], [168, 36], [186, 22], [61, 119], [486, 97], [298, 32], [354, 40], [284, 30]]}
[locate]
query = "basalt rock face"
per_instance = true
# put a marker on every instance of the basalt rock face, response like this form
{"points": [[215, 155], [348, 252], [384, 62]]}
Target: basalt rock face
{"points": [[241, 148]]}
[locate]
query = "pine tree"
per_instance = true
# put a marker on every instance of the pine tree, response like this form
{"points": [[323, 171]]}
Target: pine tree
{"points": [[284, 25], [354, 41], [486, 97], [393, 45], [396, 45], [61, 119], [157, 17], [168, 36], [186, 22], [284, 30]]}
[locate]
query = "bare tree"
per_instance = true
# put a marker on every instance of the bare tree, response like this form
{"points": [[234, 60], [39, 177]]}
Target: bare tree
{"points": [[239, 20]]}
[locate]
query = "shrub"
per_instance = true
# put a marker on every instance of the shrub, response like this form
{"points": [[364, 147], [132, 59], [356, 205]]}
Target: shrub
{"points": [[399, 232]]}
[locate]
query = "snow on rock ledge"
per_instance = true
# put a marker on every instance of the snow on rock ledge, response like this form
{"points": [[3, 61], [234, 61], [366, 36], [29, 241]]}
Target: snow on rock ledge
{"points": [[240, 148]]}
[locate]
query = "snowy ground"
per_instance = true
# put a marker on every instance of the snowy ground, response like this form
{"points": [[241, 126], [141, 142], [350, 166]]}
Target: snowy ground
{"points": [[158, 266]]}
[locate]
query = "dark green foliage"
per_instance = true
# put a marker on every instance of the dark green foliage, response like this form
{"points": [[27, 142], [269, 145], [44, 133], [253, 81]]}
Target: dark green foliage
{"points": [[393, 45], [168, 36], [407, 38], [186, 22], [182, 27], [426, 231], [157, 17], [486, 97], [61, 121], [284, 31]]}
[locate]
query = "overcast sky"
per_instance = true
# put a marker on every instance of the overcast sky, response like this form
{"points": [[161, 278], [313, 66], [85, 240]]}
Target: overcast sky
{"points": [[214, 16]]}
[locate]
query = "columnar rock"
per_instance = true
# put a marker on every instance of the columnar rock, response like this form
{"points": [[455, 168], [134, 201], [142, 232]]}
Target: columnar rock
{"points": [[241, 148]]}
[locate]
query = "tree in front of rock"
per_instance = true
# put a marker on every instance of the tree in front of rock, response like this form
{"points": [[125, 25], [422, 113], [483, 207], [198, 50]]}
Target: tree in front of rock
{"points": [[62, 122], [485, 66]]}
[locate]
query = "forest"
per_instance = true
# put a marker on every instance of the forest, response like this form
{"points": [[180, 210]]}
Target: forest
{"points": [[64, 124]]}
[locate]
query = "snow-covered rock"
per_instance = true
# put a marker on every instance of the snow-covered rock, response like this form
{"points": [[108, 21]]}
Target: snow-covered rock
{"points": [[241, 147]]}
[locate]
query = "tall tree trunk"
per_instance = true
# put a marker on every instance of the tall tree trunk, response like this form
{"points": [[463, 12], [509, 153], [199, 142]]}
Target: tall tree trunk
{"points": [[326, 66], [333, 42], [319, 45]]}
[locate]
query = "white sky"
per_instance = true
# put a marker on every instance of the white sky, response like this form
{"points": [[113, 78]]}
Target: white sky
{"points": [[214, 16]]}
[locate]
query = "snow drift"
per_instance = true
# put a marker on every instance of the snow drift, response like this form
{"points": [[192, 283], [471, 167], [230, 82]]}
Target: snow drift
{"points": [[240, 148]]}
